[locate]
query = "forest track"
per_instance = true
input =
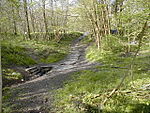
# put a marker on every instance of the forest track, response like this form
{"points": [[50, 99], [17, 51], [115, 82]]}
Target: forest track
{"points": [[36, 95]]}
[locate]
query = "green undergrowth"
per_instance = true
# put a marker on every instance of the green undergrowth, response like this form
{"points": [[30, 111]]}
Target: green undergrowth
{"points": [[11, 76], [18, 51], [86, 92], [88, 89]]}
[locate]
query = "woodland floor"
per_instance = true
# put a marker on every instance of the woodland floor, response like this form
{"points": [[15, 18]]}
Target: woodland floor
{"points": [[36, 95]]}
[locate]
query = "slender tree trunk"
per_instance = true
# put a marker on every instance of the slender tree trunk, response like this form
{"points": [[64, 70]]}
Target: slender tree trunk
{"points": [[89, 16], [44, 17], [98, 24], [108, 19], [0, 83], [27, 19], [52, 16], [52, 12], [94, 21], [107, 24], [118, 9], [55, 15], [66, 13], [1, 13], [14, 21], [32, 17]]}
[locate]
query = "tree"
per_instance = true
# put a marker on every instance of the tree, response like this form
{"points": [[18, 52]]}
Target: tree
{"points": [[98, 15], [44, 16], [10, 16], [27, 19], [14, 20], [32, 16], [132, 12], [0, 83]]}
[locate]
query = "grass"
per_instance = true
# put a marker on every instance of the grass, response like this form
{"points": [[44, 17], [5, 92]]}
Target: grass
{"points": [[85, 93], [88, 89]]}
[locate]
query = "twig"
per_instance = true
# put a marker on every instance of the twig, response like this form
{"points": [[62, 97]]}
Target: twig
{"points": [[114, 90]]}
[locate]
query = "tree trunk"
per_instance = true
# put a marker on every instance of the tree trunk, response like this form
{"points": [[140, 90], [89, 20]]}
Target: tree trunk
{"points": [[52, 12], [14, 21], [44, 17], [0, 83], [98, 24], [27, 19], [66, 13], [32, 17]]}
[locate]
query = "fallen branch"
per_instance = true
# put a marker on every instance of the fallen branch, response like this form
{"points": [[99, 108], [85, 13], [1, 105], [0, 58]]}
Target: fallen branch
{"points": [[114, 90]]}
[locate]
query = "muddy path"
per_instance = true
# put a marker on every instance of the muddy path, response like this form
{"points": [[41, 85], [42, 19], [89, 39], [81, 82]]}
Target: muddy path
{"points": [[36, 95]]}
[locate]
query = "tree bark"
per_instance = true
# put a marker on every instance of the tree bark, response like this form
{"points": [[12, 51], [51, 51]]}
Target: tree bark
{"points": [[32, 17], [66, 13], [52, 12], [14, 21], [0, 83], [44, 17], [27, 19]]}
